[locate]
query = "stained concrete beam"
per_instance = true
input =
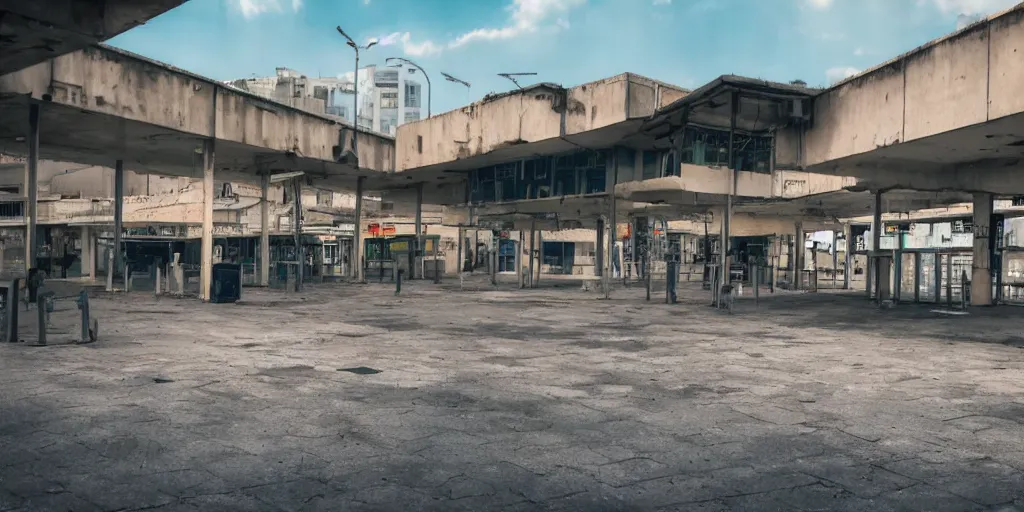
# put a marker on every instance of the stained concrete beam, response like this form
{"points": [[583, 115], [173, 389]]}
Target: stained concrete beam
{"points": [[99, 102]]}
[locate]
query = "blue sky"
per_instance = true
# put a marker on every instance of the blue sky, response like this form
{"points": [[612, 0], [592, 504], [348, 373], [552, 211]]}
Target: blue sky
{"points": [[685, 42]]}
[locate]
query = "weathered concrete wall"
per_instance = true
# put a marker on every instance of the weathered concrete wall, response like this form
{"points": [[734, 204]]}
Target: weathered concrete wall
{"points": [[967, 78], [532, 115], [792, 184], [747, 225], [715, 180], [109, 81]]}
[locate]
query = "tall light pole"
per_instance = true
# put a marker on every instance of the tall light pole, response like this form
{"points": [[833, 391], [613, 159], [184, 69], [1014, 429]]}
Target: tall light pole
{"points": [[430, 88], [453, 79], [513, 76], [355, 100]]}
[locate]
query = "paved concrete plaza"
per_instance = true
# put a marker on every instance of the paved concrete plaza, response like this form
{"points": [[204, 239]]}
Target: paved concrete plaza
{"points": [[516, 400]]}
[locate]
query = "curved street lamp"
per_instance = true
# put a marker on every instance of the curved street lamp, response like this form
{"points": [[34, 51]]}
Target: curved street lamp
{"points": [[451, 78], [430, 88], [355, 96]]}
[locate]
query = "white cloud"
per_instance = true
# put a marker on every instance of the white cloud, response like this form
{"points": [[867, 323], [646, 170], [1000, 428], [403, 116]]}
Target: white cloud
{"points": [[253, 8], [662, 2], [951, 7], [840, 73], [526, 16], [409, 47], [819, 4]]}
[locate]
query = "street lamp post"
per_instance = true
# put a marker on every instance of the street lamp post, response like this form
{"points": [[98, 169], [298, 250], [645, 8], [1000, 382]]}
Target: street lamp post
{"points": [[430, 88], [451, 78], [355, 85]]}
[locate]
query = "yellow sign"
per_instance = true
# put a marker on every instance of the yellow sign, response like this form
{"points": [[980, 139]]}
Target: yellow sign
{"points": [[402, 246]]}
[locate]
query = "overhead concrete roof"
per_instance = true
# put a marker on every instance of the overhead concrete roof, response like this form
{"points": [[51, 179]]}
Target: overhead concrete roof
{"points": [[101, 104], [32, 31]]}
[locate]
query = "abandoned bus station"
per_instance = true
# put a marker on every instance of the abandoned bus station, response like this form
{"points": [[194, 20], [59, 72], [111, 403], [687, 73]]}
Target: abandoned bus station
{"points": [[619, 295]]}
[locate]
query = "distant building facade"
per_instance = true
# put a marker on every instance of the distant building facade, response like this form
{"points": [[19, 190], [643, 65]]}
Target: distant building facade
{"points": [[388, 97]]}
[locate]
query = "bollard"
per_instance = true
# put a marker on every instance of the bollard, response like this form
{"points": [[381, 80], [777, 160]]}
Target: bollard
{"points": [[41, 299], [398, 282], [83, 306], [756, 284], [156, 285], [11, 303]]}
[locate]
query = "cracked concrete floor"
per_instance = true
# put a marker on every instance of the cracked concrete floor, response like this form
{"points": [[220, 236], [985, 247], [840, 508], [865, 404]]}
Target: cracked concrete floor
{"points": [[523, 400]]}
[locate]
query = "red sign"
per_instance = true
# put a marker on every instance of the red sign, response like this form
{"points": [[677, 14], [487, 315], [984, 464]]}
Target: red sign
{"points": [[389, 229], [373, 229]]}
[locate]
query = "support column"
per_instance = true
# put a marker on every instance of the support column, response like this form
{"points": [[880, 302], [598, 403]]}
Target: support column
{"points": [[726, 260], [540, 257], [119, 217], [981, 271], [876, 247], [300, 256], [265, 228], [599, 250], [87, 252], [533, 248], [357, 236], [32, 188], [414, 273], [206, 254]]}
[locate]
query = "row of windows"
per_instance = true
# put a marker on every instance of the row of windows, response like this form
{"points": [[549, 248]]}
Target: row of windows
{"points": [[585, 172], [582, 172]]}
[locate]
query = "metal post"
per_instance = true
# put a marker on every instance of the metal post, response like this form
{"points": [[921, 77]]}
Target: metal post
{"points": [[297, 234], [437, 264], [206, 256], [727, 218], [533, 247], [119, 215], [757, 283], [520, 276], [460, 264], [848, 258], [612, 231], [398, 281], [265, 228], [32, 186], [357, 234], [873, 282], [418, 250]]}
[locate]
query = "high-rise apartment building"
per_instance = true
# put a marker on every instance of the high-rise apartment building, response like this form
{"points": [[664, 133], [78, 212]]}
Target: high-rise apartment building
{"points": [[388, 97]]}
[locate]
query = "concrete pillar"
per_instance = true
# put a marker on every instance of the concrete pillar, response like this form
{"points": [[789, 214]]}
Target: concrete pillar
{"points": [[533, 249], [599, 250], [32, 188], [300, 256], [87, 252], [118, 215], [981, 272], [540, 257], [206, 251], [357, 236], [414, 272], [461, 255], [265, 228]]}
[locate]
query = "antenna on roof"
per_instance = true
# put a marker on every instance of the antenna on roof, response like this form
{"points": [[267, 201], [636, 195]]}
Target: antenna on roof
{"points": [[513, 76]]}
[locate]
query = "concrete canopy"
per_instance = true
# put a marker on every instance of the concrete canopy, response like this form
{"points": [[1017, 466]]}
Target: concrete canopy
{"points": [[32, 31], [945, 116], [846, 204], [101, 104]]}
